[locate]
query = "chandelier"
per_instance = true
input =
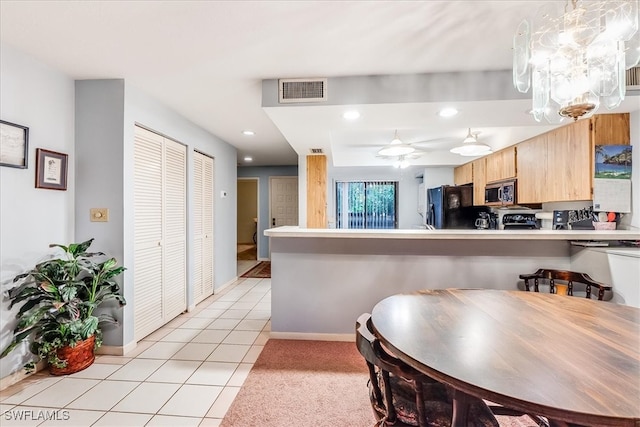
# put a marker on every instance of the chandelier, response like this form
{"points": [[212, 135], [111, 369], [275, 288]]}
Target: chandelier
{"points": [[573, 56]]}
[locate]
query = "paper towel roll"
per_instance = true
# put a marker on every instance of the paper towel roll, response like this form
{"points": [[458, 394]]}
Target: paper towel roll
{"points": [[546, 220]]}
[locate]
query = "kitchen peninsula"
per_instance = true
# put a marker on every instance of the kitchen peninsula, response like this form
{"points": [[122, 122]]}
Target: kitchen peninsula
{"points": [[322, 279]]}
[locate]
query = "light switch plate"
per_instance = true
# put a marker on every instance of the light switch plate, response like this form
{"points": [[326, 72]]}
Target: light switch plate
{"points": [[99, 214]]}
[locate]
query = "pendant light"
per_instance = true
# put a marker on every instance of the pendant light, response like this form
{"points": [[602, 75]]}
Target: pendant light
{"points": [[471, 147]]}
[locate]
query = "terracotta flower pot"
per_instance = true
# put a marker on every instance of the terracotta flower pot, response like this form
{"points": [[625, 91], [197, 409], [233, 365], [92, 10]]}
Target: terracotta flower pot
{"points": [[78, 358]]}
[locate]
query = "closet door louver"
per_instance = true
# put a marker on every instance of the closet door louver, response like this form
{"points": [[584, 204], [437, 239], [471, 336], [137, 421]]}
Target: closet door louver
{"points": [[147, 278], [207, 213], [203, 226], [159, 231], [198, 290], [175, 231]]}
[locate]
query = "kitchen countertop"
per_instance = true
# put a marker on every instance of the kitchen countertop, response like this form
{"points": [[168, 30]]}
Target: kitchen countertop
{"points": [[297, 232]]}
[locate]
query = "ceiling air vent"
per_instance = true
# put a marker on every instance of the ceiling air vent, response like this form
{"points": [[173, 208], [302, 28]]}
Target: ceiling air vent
{"points": [[316, 150], [633, 78], [302, 90]]}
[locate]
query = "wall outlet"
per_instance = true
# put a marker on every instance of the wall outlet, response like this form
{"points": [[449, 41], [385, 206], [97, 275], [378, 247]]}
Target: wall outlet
{"points": [[99, 214]]}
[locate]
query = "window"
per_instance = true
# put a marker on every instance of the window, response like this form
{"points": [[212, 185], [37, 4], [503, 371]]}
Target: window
{"points": [[367, 204]]}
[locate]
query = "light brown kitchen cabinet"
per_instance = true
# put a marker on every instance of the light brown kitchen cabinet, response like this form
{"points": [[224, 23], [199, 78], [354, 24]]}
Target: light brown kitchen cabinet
{"points": [[479, 180], [501, 165], [569, 168], [463, 174], [610, 129], [558, 165], [532, 170]]}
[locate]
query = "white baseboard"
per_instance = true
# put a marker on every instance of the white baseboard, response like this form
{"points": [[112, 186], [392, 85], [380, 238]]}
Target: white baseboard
{"points": [[20, 375], [224, 285], [191, 307], [264, 259], [115, 350], [311, 336]]}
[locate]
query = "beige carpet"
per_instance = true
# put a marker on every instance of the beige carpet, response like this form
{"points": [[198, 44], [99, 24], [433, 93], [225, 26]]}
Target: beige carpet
{"points": [[310, 383], [304, 384]]}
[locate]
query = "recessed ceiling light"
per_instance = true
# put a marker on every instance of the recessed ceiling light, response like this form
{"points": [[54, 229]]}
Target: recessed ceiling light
{"points": [[248, 159], [351, 115], [448, 112], [248, 132]]}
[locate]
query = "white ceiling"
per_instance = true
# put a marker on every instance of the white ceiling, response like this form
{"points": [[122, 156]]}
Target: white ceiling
{"points": [[207, 60]]}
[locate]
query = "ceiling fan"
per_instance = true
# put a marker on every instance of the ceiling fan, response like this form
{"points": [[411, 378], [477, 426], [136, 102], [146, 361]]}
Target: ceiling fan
{"points": [[415, 149], [396, 148], [399, 151]]}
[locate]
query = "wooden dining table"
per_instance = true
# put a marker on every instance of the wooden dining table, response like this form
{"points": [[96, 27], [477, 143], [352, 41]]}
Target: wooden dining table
{"points": [[569, 359]]}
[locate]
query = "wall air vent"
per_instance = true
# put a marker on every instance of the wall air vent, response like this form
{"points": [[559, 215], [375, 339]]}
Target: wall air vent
{"points": [[316, 150], [633, 78], [302, 90]]}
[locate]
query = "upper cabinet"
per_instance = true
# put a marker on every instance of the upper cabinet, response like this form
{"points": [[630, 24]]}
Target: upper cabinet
{"points": [[473, 172], [501, 165], [610, 129], [479, 180], [553, 167], [463, 174], [532, 170], [558, 165]]}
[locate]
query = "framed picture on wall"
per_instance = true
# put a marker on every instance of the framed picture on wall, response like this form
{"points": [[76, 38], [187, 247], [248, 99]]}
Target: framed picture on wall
{"points": [[51, 169], [14, 145]]}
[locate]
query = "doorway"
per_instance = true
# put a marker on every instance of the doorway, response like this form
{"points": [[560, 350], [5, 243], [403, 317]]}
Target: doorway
{"points": [[283, 193], [247, 224]]}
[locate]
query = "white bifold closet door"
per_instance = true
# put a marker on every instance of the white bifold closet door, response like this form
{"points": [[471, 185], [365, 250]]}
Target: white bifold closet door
{"points": [[203, 184], [160, 230]]}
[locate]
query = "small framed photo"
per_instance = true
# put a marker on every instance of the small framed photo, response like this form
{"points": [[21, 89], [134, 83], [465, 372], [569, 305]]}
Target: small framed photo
{"points": [[14, 145], [51, 170]]}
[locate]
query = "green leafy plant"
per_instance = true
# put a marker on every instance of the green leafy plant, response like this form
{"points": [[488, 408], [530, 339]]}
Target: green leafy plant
{"points": [[59, 297]]}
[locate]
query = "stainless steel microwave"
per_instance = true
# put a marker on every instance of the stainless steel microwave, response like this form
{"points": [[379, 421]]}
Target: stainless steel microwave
{"points": [[500, 193]]}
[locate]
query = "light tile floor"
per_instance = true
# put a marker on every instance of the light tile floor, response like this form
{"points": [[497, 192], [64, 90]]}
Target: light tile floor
{"points": [[186, 373]]}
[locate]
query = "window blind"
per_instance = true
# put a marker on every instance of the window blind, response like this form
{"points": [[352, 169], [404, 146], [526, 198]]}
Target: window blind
{"points": [[366, 204]]}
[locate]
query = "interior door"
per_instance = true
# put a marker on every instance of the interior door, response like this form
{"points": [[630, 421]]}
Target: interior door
{"points": [[203, 188], [283, 196]]}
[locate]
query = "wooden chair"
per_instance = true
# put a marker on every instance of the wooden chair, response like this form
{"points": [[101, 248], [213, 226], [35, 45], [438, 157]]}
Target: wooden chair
{"points": [[401, 396], [568, 279]]}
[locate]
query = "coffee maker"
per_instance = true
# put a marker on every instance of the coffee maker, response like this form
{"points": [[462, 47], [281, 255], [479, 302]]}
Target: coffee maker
{"points": [[486, 221]]}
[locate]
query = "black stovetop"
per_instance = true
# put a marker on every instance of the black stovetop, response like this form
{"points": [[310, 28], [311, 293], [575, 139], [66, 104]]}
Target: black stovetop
{"points": [[520, 221]]}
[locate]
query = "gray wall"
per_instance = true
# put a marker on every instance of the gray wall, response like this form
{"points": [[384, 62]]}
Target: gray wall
{"points": [[92, 122], [263, 173], [345, 277], [110, 109], [36, 96]]}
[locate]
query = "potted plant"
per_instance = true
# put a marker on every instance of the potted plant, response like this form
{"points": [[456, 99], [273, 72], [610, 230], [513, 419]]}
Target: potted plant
{"points": [[59, 298]]}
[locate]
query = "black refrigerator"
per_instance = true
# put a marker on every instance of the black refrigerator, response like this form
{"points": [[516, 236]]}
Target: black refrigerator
{"points": [[451, 207]]}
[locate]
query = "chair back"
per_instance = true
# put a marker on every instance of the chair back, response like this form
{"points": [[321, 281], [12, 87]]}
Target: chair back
{"points": [[570, 278], [378, 359], [420, 399]]}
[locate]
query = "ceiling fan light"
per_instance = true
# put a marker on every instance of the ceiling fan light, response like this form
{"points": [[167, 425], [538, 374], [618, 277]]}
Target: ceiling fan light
{"points": [[401, 164]]}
